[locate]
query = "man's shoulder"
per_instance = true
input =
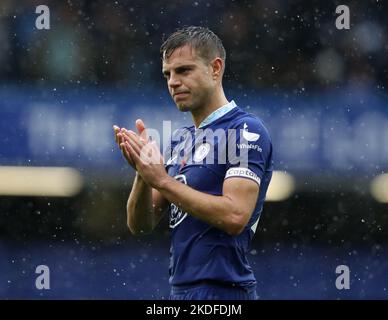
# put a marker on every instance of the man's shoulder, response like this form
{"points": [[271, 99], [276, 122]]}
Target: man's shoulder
{"points": [[243, 120]]}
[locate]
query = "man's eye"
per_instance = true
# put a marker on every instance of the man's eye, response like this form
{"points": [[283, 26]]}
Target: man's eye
{"points": [[183, 70]]}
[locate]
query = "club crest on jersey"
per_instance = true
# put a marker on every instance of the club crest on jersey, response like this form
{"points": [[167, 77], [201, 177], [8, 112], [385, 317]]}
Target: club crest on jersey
{"points": [[176, 213], [201, 152]]}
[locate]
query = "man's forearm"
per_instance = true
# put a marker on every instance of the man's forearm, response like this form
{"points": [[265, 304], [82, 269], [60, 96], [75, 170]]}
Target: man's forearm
{"points": [[219, 211], [139, 207]]}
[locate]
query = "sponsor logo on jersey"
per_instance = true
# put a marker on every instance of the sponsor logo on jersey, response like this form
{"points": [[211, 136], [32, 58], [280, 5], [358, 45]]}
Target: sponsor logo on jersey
{"points": [[249, 146], [250, 136]]}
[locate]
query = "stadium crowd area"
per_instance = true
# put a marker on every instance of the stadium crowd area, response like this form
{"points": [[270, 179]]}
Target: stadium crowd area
{"points": [[270, 43]]}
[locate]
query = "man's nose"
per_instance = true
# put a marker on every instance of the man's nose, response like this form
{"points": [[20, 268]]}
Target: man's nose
{"points": [[174, 81]]}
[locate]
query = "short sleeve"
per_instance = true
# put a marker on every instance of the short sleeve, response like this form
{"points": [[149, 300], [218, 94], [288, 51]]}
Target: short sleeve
{"points": [[249, 150]]}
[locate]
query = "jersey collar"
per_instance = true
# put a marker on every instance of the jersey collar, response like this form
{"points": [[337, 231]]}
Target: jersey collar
{"points": [[217, 114]]}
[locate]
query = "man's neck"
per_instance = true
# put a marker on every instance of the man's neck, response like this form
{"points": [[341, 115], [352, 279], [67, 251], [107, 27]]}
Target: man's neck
{"points": [[217, 102]]}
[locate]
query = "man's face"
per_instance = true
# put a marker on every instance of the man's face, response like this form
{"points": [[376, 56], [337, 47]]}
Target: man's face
{"points": [[189, 78]]}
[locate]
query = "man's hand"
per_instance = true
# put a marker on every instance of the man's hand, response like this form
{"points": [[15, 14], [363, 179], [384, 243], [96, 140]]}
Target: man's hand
{"points": [[119, 139], [145, 155], [121, 134]]}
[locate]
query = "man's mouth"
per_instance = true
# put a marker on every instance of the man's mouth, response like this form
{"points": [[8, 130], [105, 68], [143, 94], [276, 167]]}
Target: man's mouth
{"points": [[180, 94]]}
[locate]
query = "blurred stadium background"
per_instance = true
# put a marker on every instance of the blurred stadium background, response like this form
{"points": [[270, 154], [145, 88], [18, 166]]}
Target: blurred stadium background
{"points": [[321, 92]]}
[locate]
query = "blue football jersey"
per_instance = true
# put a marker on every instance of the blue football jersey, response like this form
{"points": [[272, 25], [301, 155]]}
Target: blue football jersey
{"points": [[229, 143]]}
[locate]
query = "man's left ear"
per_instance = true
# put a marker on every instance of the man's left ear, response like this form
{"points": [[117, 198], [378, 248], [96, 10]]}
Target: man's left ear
{"points": [[217, 65]]}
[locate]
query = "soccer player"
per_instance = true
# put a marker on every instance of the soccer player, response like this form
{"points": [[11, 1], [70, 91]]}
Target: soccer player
{"points": [[213, 184]]}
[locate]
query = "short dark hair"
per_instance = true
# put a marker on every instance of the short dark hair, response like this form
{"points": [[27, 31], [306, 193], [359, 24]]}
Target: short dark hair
{"points": [[205, 42]]}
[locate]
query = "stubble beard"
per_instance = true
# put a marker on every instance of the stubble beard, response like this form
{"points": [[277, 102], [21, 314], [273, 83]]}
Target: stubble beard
{"points": [[184, 107], [191, 105]]}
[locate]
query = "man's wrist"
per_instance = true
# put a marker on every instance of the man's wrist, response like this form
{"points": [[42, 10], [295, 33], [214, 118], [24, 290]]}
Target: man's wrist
{"points": [[164, 182], [140, 179]]}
